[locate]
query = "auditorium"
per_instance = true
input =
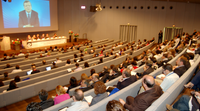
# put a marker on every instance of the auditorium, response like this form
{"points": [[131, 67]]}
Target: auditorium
{"points": [[99, 55]]}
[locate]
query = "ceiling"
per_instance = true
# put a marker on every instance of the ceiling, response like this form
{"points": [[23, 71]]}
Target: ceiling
{"points": [[185, 1]]}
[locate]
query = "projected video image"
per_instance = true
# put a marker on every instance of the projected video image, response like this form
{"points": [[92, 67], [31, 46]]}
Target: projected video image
{"points": [[26, 13]]}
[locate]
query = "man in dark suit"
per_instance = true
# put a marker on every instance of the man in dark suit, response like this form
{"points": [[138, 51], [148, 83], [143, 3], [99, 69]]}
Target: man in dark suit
{"points": [[28, 17], [126, 79], [43, 95], [85, 85], [115, 73], [142, 101], [148, 67], [180, 69]]}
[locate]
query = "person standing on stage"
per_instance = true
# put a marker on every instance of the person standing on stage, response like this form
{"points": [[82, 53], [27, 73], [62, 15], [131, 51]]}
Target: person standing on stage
{"points": [[160, 36]]}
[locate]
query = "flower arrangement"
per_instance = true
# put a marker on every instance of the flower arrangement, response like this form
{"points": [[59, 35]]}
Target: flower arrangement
{"points": [[70, 32], [17, 41], [76, 35]]}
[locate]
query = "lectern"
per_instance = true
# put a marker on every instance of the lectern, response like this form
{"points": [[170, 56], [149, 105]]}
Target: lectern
{"points": [[5, 43]]}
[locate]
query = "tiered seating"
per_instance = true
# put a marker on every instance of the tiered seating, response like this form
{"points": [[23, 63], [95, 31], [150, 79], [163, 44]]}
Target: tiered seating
{"points": [[91, 92], [34, 86]]}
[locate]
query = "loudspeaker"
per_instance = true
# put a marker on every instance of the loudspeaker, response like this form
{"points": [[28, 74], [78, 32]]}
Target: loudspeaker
{"points": [[92, 8]]}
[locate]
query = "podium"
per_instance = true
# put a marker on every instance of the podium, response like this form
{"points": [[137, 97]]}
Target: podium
{"points": [[5, 43]]}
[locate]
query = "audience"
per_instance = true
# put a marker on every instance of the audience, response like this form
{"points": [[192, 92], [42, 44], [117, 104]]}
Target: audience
{"points": [[73, 83], [17, 79], [180, 69], [54, 65], [77, 67], [78, 104], [115, 105], [194, 83], [58, 60], [43, 95], [34, 106], [126, 79], [61, 95], [92, 71], [1, 83], [34, 70], [12, 85], [142, 101], [85, 85], [86, 65], [100, 91], [95, 78], [17, 69], [5, 77], [100, 60], [8, 66], [44, 62], [68, 62], [186, 103]]}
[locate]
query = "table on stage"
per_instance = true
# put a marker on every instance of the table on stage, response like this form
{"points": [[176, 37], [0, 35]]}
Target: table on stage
{"points": [[44, 42]]}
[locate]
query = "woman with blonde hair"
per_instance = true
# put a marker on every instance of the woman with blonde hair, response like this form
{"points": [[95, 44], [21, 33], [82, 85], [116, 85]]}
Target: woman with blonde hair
{"points": [[61, 95]]}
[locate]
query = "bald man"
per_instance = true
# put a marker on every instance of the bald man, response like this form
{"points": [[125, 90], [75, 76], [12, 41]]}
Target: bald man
{"points": [[142, 101], [78, 104]]}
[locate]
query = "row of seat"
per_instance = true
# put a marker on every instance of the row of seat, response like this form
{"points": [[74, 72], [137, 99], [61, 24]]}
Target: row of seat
{"points": [[91, 92], [102, 104], [50, 59], [61, 66], [21, 62], [47, 84]]}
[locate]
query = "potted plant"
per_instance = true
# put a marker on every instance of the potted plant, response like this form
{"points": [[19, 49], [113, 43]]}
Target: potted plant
{"points": [[76, 37], [70, 35], [16, 44]]}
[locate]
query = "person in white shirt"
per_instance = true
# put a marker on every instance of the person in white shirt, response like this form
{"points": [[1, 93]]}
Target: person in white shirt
{"points": [[77, 67], [78, 104], [58, 60], [17, 69], [169, 79], [21, 54]]}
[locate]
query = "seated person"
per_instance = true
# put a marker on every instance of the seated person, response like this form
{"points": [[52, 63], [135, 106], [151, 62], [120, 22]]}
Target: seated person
{"points": [[164, 60], [61, 95], [58, 60], [78, 104], [142, 101], [17, 69], [85, 85], [147, 68], [68, 62], [154, 65], [34, 37], [126, 79], [4, 58], [47, 36], [77, 67], [8, 66], [12, 85], [55, 35], [21, 53], [115, 105], [1, 83], [17, 79], [44, 62], [107, 54], [37, 36], [86, 65], [100, 91], [194, 83], [169, 79], [29, 37], [180, 69], [100, 60], [26, 57], [43, 95], [105, 74], [95, 78], [145, 58], [186, 103], [54, 65], [5, 76], [34, 70], [43, 36], [41, 55], [34, 106], [115, 73], [73, 83]]}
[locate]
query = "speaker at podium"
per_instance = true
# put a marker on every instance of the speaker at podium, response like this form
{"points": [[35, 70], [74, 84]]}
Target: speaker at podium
{"points": [[5, 43]]}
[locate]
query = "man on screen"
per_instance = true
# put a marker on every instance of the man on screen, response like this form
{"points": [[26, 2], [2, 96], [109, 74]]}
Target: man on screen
{"points": [[28, 17]]}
